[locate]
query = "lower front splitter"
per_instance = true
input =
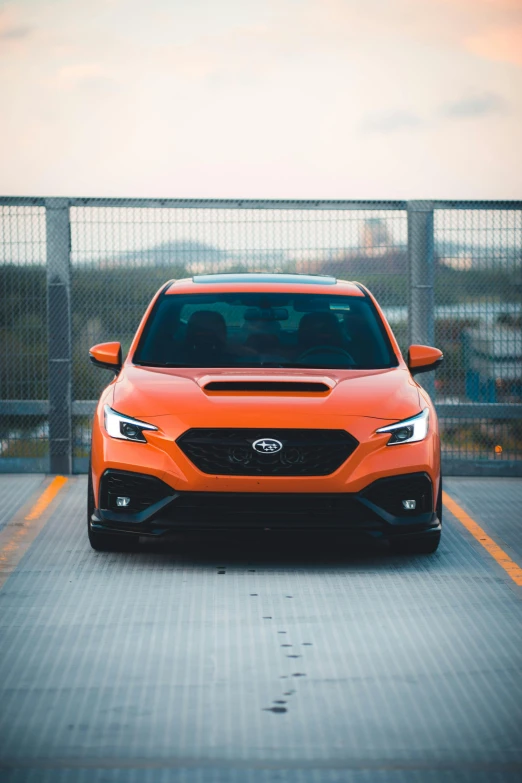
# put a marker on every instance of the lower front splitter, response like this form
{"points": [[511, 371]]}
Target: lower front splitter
{"points": [[251, 511]]}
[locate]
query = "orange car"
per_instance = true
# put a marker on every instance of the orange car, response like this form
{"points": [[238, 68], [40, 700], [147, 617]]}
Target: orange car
{"points": [[265, 401]]}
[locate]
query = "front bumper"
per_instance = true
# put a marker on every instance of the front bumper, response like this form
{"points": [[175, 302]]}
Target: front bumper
{"points": [[374, 511]]}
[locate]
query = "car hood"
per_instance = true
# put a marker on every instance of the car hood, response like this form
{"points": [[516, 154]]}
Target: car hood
{"points": [[148, 392]]}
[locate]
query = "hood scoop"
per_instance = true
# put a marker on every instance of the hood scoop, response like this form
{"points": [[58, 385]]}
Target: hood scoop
{"points": [[285, 387]]}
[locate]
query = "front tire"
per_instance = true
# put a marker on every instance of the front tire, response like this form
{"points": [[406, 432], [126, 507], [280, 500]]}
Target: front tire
{"points": [[439, 502], [105, 542]]}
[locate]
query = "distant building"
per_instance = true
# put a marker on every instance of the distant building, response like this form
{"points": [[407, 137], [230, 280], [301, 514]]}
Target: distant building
{"points": [[461, 262], [375, 237], [311, 261]]}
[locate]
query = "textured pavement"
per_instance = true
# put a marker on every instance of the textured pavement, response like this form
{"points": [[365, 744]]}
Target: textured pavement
{"points": [[256, 659], [14, 491]]}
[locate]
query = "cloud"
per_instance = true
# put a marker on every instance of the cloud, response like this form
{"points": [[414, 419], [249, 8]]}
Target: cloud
{"points": [[489, 29], [470, 106], [234, 53], [87, 75], [379, 89], [501, 43], [15, 33], [475, 106], [391, 122], [11, 29], [494, 5]]}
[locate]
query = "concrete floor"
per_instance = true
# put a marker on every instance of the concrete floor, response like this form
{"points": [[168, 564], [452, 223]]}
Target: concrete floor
{"points": [[255, 659]]}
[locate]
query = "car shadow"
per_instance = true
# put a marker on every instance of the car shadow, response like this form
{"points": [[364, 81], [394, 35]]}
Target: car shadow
{"points": [[240, 549]]}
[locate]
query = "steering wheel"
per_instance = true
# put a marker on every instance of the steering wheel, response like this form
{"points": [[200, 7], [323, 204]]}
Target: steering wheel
{"points": [[325, 349]]}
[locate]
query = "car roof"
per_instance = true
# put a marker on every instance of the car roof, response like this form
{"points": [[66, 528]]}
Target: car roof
{"points": [[257, 281], [262, 277]]}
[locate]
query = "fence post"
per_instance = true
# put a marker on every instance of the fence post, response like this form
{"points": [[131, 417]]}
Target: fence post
{"points": [[421, 258], [58, 236]]}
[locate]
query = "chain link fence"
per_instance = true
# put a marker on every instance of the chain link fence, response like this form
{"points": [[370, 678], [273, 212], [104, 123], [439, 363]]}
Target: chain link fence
{"points": [[75, 272], [24, 376], [478, 306]]}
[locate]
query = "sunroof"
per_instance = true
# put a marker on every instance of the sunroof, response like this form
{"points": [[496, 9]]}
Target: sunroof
{"points": [[266, 278]]}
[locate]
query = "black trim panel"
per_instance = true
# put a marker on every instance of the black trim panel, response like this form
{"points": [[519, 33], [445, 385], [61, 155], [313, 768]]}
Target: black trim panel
{"points": [[350, 512]]}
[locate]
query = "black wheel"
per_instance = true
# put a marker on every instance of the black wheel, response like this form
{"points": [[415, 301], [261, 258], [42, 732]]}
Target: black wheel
{"points": [[105, 542], [423, 544]]}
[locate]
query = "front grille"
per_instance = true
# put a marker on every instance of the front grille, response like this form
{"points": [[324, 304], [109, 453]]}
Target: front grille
{"points": [[229, 452], [389, 493], [142, 490]]}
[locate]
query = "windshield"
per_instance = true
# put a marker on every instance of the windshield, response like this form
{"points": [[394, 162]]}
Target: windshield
{"points": [[265, 330]]}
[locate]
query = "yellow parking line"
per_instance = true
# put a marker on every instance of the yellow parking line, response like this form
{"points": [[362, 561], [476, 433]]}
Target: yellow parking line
{"points": [[46, 497], [503, 559], [20, 532]]}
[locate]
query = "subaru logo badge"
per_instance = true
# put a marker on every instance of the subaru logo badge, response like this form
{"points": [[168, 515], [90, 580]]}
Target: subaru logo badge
{"points": [[267, 446]]}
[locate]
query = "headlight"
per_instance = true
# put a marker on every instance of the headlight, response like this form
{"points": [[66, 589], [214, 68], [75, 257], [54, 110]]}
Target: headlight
{"points": [[409, 430], [124, 428]]}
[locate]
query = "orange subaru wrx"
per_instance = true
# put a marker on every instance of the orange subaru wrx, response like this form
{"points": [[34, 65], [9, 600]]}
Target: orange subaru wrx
{"points": [[265, 401]]}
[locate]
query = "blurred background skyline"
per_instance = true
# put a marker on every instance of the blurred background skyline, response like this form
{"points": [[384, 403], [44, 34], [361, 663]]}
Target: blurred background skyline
{"points": [[244, 98]]}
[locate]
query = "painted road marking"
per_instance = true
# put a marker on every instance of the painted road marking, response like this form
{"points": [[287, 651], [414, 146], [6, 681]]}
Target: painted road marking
{"points": [[503, 559], [46, 497], [20, 532]]}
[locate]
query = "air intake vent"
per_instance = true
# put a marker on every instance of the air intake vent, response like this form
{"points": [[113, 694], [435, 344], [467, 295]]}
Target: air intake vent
{"points": [[143, 491], [388, 493], [267, 386]]}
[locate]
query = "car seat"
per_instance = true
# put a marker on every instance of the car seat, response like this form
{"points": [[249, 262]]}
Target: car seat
{"points": [[319, 329], [206, 332]]}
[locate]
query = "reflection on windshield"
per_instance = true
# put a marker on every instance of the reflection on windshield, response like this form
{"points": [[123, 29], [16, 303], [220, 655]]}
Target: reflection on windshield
{"points": [[264, 330]]}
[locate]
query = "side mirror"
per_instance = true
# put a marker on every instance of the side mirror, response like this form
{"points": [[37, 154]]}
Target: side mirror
{"points": [[107, 355], [423, 358]]}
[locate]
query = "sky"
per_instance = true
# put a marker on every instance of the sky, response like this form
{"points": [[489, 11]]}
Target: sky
{"points": [[300, 99]]}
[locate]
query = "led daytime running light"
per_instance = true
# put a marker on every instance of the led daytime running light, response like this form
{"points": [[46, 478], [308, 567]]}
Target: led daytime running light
{"points": [[410, 430], [124, 428]]}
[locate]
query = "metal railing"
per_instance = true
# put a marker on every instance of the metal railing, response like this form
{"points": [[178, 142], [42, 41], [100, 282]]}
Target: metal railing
{"points": [[74, 272]]}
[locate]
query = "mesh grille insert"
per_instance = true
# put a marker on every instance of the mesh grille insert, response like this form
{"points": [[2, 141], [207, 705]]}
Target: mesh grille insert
{"points": [[230, 452]]}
